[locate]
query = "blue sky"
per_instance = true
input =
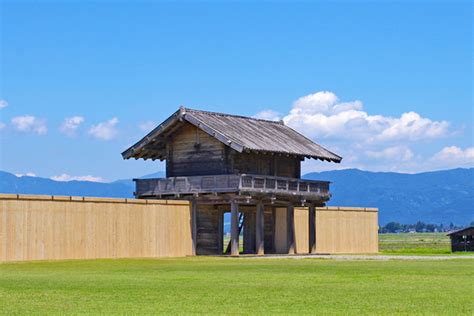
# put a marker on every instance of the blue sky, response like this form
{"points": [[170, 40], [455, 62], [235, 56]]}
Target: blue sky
{"points": [[387, 85]]}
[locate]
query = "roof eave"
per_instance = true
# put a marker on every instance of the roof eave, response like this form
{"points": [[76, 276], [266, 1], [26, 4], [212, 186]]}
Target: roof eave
{"points": [[328, 159], [131, 151], [338, 159], [183, 115]]}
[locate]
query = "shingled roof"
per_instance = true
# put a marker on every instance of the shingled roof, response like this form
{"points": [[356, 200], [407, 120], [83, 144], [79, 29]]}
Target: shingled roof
{"points": [[238, 132]]}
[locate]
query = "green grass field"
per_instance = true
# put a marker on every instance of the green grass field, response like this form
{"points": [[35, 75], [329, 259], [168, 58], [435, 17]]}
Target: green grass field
{"points": [[245, 285], [407, 244], [228, 285], [415, 243]]}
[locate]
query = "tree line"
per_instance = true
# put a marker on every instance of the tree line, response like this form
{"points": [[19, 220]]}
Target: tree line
{"points": [[419, 227]]}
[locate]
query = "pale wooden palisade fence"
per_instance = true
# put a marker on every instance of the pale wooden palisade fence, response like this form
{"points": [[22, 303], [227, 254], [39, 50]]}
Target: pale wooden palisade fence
{"points": [[338, 230], [42, 227]]}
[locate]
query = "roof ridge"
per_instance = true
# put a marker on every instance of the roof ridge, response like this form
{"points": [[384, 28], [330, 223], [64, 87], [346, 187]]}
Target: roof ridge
{"points": [[236, 131], [233, 115]]}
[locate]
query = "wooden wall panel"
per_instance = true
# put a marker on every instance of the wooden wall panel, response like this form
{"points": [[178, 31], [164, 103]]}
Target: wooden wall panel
{"points": [[338, 230], [346, 230], [43, 228], [269, 223], [195, 153], [253, 163], [281, 240], [192, 152], [208, 230], [249, 234], [288, 167], [301, 230]]}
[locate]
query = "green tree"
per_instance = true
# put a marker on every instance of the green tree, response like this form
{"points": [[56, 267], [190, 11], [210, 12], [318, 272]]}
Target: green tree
{"points": [[430, 227], [392, 227], [420, 226]]}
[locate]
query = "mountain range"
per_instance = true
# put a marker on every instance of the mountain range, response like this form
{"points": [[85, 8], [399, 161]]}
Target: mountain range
{"points": [[439, 197]]}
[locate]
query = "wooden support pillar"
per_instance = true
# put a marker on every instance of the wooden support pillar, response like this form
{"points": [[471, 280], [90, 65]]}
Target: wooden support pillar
{"points": [[290, 220], [312, 228], [234, 229], [220, 231], [194, 225], [260, 230]]}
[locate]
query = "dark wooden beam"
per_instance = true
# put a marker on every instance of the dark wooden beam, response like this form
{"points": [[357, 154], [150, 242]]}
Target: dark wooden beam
{"points": [[220, 230], [290, 221], [312, 228], [194, 225], [234, 229], [260, 230], [273, 225]]}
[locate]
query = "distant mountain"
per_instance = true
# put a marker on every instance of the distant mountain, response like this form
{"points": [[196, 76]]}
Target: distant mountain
{"points": [[9, 183], [433, 197]]}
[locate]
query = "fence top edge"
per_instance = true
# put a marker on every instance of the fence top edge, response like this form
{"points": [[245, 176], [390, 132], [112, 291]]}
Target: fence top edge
{"points": [[347, 209], [40, 197]]}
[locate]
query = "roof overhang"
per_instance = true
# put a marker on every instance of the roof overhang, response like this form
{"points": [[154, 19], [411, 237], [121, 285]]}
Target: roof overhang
{"points": [[153, 145], [158, 135]]}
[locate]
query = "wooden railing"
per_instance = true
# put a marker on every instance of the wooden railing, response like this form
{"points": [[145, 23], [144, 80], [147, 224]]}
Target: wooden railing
{"points": [[229, 183]]}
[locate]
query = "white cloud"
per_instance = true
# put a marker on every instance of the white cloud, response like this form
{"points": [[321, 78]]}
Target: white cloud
{"points": [[147, 126], [2, 125], [70, 125], [28, 174], [29, 124], [319, 102], [367, 141], [397, 153], [411, 126], [323, 116], [105, 130], [3, 104], [454, 156], [268, 115], [67, 177]]}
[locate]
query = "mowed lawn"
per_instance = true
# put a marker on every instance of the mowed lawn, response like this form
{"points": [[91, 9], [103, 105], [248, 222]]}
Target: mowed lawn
{"points": [[415, 243], [241, 285]]}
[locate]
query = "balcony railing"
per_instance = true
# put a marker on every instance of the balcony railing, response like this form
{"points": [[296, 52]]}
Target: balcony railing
{"points": [[228, 184]]}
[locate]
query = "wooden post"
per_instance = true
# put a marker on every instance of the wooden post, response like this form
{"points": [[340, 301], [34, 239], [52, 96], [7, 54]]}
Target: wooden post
{"points": [[290, 221], [194, 225], [312, 228], [260, 230], [273, 229], [220, 231], [234, 229]]}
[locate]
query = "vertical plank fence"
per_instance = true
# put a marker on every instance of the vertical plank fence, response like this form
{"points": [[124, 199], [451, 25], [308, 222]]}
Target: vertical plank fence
{"points": [[41, 227]]}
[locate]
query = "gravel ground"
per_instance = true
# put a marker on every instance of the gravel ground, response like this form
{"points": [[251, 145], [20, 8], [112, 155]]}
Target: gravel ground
{"points": [[360, 257]]}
